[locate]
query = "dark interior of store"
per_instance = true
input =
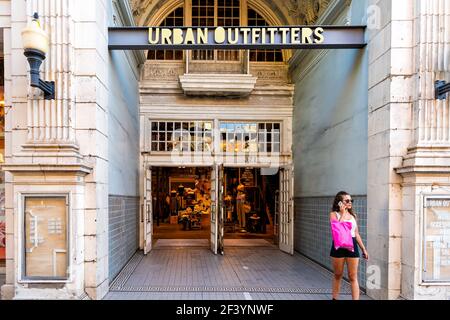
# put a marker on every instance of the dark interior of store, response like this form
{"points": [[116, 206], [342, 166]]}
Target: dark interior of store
{"points": [[182, 203]]}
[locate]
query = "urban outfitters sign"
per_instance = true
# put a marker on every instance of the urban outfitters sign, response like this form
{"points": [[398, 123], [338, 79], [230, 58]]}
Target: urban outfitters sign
{"points": [[270, 37]]}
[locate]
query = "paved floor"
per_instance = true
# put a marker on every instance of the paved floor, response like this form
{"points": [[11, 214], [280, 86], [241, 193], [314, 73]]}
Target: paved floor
{"points": [[249, 270]]}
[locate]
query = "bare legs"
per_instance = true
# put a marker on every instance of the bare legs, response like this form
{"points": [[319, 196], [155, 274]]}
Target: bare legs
{"points": [[338, 267], [352, 266]]}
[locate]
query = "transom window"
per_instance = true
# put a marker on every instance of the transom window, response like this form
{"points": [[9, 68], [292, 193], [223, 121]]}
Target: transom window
{"points": [[169, 136], [207, 13], [265, 55], [175, 19], [210, 13], [250, 136]]}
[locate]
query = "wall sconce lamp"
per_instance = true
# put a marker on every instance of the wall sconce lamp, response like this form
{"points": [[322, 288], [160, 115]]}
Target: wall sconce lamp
{"points": [[442, 88], [36, 44]]}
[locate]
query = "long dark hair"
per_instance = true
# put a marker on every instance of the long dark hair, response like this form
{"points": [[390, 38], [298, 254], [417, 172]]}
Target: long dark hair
{"points": [[340, 197]]}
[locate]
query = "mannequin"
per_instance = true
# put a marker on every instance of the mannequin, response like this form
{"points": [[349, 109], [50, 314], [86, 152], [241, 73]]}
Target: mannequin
{"points": [[173, 203], [229, 207], [240, 202]]}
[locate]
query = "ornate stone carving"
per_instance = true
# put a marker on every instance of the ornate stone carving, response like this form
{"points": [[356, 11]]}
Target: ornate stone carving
{"points": [[138, 6], [162, 71], [306, 11], [270, 74], [229, 85]]}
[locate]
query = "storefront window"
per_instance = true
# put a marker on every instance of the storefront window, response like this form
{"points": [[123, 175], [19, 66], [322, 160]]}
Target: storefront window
{"points": [[250, 137], [181, 136], [46, 241], [436, 239]]}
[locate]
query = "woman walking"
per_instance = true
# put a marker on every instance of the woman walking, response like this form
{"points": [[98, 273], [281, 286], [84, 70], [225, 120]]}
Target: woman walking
{"points": [[343, 211]]}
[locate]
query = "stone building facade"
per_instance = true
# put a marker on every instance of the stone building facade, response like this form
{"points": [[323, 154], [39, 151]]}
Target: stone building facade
{"points": [[365, 120]]}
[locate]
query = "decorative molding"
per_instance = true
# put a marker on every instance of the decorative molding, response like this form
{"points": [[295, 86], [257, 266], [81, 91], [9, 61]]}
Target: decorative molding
{"points": [[236, 85], [76, 169], [162, 70], [306, 12], [266, 73], [155, 13], [138, 7], [230, 67]]}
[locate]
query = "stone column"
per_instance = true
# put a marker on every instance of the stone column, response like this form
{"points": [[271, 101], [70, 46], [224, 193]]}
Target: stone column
{"points": [[426, 167], [390, 107], [61, 145]]}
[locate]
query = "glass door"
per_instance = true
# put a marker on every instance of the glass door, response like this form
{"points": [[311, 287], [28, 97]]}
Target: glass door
{"points": [[286, 210], [217, 209], [147, 211]]}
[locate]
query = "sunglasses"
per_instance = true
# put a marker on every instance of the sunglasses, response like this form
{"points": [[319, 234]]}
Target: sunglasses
{"points": [[348, 201]]}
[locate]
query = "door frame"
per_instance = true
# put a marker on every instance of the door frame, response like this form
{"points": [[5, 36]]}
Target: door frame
{"points": [[147, 210], [215, 168], [286, 209], [148, 165]]}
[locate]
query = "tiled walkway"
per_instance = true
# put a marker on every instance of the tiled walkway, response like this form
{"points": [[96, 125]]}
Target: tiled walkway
{"points": [[247, 271]]}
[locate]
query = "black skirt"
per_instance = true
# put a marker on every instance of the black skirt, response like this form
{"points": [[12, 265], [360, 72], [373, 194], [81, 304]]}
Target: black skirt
{"points": [[344, 253]]}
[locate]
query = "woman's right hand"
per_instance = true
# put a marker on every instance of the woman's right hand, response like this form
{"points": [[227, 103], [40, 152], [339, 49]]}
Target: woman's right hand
{"points": [[342, 208]]}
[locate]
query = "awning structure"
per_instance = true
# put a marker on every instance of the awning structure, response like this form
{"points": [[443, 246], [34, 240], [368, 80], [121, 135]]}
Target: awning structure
{"points": [[221, 38]]}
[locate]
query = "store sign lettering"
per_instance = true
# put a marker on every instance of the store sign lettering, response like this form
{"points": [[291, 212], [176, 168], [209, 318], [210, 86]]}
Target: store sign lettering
{"points": [[236, 38], [236, 35]]}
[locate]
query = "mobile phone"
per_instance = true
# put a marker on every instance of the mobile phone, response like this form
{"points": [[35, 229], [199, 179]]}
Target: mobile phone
{"points": [[340, 203]]}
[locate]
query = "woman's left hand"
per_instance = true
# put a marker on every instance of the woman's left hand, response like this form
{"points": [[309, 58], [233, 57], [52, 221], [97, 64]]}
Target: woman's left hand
{"points": [[365, 255]]}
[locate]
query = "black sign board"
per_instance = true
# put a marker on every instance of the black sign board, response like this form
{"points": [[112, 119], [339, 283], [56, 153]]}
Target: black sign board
{"points": [[269, 37]]}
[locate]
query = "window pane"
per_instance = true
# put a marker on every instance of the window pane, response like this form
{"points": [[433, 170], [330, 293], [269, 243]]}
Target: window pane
{"points": [[160, 55], [254, 137], [192, 135], [46, 251], [169, 55], [151, 55]]}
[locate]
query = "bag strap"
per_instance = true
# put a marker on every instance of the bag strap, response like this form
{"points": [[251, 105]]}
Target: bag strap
{"points": [[338, 215]]}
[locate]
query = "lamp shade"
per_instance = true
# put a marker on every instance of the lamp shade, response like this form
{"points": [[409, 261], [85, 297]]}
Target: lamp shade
{"points": [[33, 37]]}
